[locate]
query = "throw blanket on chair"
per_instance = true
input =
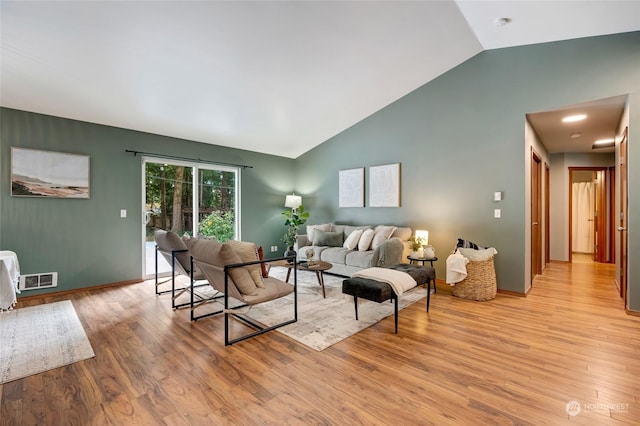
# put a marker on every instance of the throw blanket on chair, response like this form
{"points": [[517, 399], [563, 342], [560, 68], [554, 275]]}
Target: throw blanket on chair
{"points": [[398, 280]]}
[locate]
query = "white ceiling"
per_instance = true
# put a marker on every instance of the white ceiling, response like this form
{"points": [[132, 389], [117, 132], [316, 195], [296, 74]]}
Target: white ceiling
{"points": [[266, 76]]}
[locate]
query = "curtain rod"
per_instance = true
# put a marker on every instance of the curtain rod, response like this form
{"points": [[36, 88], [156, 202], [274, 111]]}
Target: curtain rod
{"points": [[197, 160]]}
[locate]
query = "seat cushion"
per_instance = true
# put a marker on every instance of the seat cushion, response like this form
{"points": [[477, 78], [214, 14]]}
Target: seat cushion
{"points": [[365, 288], [273, 288], [334, 255], [359, 259]]}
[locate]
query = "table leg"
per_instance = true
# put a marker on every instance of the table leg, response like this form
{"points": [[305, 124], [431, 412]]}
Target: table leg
{"points": [[429, 292], [320, 277]]}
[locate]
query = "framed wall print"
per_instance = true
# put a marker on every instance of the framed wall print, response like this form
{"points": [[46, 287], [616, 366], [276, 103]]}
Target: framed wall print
{"points": [[351, 188], [36, 173], [384, 185]]}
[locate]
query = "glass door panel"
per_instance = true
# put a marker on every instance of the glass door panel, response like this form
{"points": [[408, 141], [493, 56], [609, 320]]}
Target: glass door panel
{"points": [[168, 206], [217, 201]]}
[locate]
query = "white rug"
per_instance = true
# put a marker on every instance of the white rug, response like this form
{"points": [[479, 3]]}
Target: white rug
{"points": [[324, 322], [40, 338]]}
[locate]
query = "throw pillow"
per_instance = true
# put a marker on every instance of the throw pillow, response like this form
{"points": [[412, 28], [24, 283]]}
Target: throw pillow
{"points": [[365, 240], [248, 253], [382, 233], [327, 238], [351, 242], [478, 255], [219, 255], [263, 266], [311, 230], [468, 244]]}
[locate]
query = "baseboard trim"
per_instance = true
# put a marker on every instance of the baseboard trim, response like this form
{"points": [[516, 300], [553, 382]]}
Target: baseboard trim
{"points": [[78, 290], [514, 293], [631, 312]]}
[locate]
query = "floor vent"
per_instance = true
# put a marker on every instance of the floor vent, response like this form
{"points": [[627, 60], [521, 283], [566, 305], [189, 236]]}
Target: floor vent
{"points": [[36, 281]]}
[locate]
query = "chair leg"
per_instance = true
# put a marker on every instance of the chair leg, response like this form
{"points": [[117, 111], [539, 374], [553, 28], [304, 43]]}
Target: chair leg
{"points": [[355, 303], [395, 311]]}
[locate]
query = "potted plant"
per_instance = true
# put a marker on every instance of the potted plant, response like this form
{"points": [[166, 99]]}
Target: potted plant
{"points": [[416, 246], [293, 219]]}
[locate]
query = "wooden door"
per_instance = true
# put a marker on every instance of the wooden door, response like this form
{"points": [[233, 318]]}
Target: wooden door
{"points": [[536, 214], [600, 218], [622, 216]]}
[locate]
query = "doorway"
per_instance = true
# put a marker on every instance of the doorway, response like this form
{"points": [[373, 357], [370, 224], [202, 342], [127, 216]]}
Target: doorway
{"points": [[622, 218], [172, 189], [590, 199], [536, 214]]}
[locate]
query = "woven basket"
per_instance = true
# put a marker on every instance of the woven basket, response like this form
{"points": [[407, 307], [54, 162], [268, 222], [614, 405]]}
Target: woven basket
{"points": [[480, 283]]}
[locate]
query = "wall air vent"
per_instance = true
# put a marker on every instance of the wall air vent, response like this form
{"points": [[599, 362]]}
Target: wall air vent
{"points": [[36, 281]]}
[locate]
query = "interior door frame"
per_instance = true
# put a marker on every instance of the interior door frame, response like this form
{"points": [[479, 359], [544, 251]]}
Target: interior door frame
{"points": [[603, 225], [623, 216], [547, 213], [536, 214]]}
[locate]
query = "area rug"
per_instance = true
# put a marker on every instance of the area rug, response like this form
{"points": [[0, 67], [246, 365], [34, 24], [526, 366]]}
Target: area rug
{"points": [[40, 338], [325, 322]]}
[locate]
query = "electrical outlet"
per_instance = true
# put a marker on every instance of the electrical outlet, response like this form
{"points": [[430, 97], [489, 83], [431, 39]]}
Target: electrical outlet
{"points": [[123, 213], [497, 213], [274, 249]]}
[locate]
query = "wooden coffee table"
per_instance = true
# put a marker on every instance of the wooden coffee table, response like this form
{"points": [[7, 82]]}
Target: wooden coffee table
{"points": [[319, 266]]}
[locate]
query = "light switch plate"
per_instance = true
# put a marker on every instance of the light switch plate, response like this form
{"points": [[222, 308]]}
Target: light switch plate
{"points": [[123, 213], [497, 196]]}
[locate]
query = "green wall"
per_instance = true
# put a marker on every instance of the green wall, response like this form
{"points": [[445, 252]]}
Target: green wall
{"points": [[460, 137], [86, 241]]}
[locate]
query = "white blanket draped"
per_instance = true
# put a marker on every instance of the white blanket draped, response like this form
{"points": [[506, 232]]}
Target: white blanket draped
{"points": [[9, 279], [398, 280], [456, 268]]}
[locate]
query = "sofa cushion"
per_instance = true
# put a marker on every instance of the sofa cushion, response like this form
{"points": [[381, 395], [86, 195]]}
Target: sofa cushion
{"points": [[359, 259], [404, 233], [311, 230], [365, 240], [248, 253], [351, 242], [218, 254], [382, 233], [334, 255], [328, 238]]}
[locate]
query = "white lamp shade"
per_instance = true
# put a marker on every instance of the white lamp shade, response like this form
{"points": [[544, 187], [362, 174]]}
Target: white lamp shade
{"points": [[424, 235], [293, 201]]}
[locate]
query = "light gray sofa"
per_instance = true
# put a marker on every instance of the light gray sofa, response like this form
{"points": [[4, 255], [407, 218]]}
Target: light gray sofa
{"points": [[346, 262]]}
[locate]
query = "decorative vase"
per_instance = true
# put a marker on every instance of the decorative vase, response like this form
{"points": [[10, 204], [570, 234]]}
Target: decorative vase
{"points": [[290, 252], [429, 252]]}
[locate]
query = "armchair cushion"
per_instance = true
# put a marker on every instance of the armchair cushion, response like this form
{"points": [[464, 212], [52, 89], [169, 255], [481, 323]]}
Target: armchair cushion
{"points": [[220, 255], [248, 253]]}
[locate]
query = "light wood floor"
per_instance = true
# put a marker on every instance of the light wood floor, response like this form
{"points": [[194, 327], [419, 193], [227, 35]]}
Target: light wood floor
{"points": [[512, 360]]}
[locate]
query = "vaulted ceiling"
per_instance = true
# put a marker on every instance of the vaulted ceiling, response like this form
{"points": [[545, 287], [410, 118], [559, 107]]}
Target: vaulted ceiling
{"points": [[278, 77]]}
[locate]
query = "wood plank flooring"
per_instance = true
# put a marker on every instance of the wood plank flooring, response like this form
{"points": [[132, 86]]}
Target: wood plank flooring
{"points": [[512, 360]]}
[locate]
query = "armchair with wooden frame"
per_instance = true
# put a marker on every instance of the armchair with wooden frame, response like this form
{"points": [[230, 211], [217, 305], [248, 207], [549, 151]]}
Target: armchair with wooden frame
{"points": [[240, 282]]}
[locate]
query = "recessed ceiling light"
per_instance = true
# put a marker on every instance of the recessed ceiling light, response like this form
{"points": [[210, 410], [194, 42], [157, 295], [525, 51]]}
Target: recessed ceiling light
{"points": [[501, 22], [575, 135], [572, 118], [603, 141]]}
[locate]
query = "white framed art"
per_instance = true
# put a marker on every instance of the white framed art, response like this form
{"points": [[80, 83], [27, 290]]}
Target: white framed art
{"points": [[384, 185], [351, 188]]}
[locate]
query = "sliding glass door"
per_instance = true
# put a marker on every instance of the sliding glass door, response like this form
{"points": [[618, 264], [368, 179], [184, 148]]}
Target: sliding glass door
{"points": [[170, 197]]}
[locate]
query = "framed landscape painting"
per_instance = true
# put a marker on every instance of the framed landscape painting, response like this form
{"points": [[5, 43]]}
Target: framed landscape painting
{"points": [[36, 173]]}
